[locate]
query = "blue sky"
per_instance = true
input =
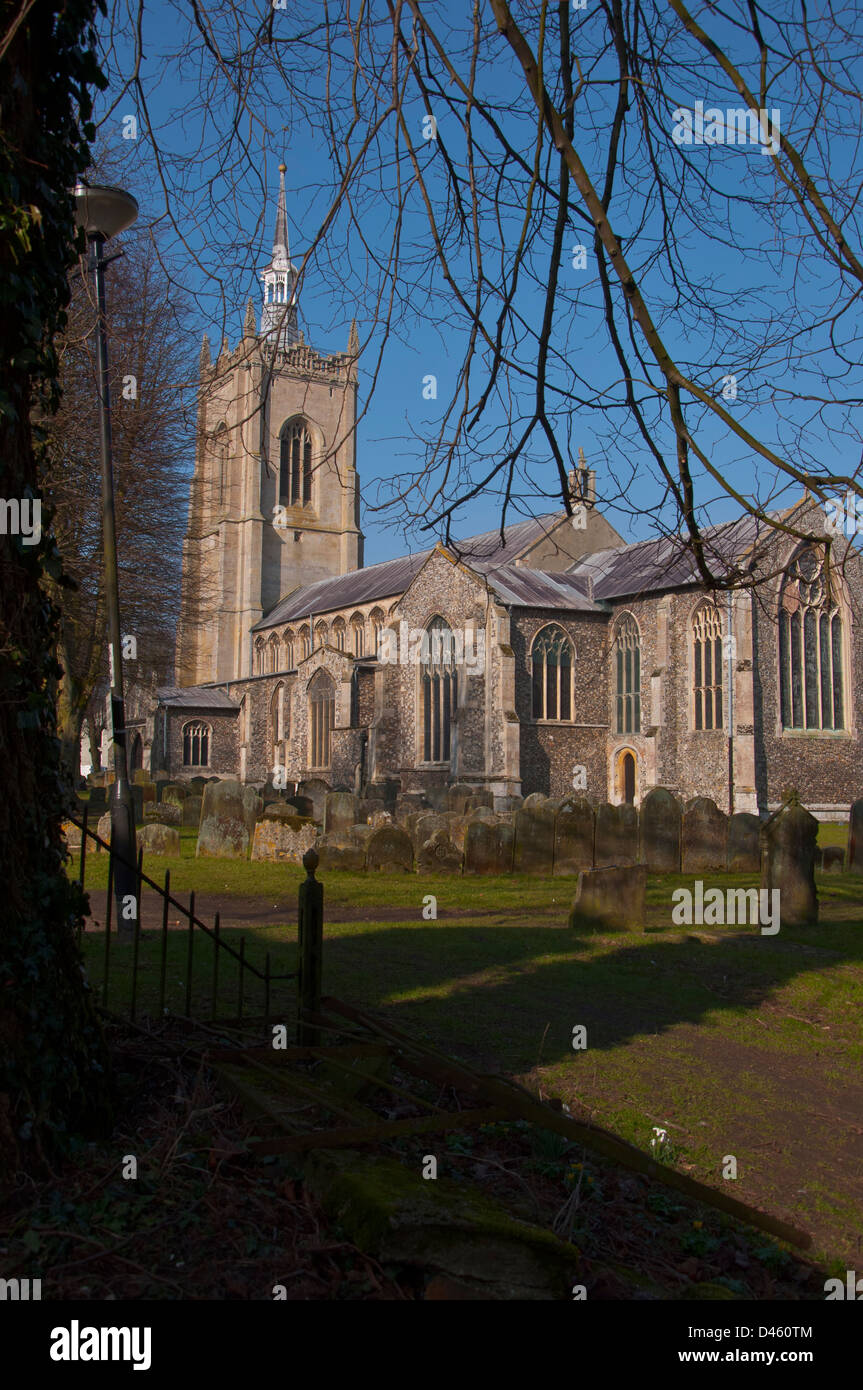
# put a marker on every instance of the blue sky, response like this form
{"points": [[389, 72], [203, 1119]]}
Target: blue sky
{"points": [[224, 224]]}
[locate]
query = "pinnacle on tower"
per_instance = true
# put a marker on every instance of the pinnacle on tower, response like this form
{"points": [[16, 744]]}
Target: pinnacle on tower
{"points": [[279, 315], [353, 340], [206, 360], [250, 327]]}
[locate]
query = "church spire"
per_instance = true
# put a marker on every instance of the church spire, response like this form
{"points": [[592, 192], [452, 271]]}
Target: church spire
{"points": [[279, 316]]}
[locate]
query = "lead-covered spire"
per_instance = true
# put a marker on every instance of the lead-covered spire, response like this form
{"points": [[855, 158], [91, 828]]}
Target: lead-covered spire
{"points": [[279, 316]]}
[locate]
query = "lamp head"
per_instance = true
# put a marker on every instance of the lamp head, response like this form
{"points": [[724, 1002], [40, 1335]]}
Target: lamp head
{"points": [[103, 210]]}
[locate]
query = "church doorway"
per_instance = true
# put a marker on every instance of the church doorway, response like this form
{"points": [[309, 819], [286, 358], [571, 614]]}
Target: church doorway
{"points": [[626, 777]]}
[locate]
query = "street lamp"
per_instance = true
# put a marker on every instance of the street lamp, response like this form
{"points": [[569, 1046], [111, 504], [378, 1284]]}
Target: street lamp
{"points": [[103, 212]]}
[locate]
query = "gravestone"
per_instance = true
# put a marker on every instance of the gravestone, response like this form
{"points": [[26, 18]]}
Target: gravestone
{"points": [[534, 839], [340, 852], [439, 855], [317, 791], [788, 845], [705, 837], [138, 804], [148, 791], [224, 830], [488, 848], [855, 838], [103, 829], [458, 796], [616, 837], [659, 829], [71, 834], [378, 818], [833, 859], [140, 775], [390, 850], [174, 793], [253, 806], [156, 838], [163, 813], [610, 898], [744, 843], [426, 825], [535, 799], [341, 812], [574, 827], [279, 840], [192, 811], [479, 799]]}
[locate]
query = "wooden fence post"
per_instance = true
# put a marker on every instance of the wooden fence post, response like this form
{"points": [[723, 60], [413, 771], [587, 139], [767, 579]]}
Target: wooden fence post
{"points": [[310, 925]]}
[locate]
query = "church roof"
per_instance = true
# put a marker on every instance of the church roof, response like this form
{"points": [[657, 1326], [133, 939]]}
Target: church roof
{"points": [[194, 697], [666, 563], [391, 578]]}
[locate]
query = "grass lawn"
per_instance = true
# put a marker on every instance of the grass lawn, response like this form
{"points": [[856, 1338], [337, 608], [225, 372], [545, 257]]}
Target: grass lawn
{"points": [[735, 1043]]}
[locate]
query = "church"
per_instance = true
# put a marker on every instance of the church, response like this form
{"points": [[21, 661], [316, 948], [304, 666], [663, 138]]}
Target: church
{"points": [[553, 657]]}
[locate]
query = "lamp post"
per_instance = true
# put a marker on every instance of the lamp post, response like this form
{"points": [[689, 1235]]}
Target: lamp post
{"points": [[103, 212]]}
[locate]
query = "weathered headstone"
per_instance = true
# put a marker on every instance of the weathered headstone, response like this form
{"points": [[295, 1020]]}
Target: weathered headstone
{"points": [[278, 840], [253, 806], [175, 793], [317, 791], [705, 837], [535, 799], [574, 827], [140, 775], [224, 831], [855, 838], [390, 850], [534, 840], [439, 855], [156, 838], [488, 848], [192, 811], [744, 843], [378, 818], [477, 799], [71, 834], [426, 825], [163, 813], [610, 898], [457, 797], [833, 859], [616, 837], [103, 829], [659, 827], [788, 845], [340, 852]]}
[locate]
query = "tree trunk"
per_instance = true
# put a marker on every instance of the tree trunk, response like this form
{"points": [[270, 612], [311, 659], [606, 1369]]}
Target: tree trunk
{"points": [[53, 1062]]}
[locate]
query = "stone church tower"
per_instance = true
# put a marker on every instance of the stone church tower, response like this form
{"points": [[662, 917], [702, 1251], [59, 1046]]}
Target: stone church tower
{"points": [[274, 501]]}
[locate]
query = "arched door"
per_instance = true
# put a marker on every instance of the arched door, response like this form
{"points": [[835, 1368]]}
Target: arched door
{"points": [[628, 778]]}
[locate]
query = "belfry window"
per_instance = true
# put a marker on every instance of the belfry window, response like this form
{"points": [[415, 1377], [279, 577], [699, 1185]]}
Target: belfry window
{"points": [[438, 691], [811, 676], [295, 465]]}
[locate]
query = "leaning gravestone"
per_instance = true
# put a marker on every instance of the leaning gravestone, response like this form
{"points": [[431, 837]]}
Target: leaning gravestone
{"points": [[390, 850], [341, 811], [788, 844], [610, 898], [224, 830], [192, 811], [488, 847], [574, 827], [616, 838], [155, 838], [855, 838], [744, 843], [659, 826], [279, 840], [705, 837], [534, 839]]}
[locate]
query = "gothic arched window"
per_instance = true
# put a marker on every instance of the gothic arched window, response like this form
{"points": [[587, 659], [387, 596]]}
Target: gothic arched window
{"points": [[260, 656], [358, 634], [322, 706], [305, 649], [295, 464], [289, 650], [551, 661], [707, 667], [278, 717], [438, 691], [627, 667], [339, 634], [196, 744], [274, 653], [321, 635], [376, 618], [811, 682]]}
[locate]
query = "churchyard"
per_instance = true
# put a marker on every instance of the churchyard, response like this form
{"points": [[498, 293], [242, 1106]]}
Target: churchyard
{"points": [[731, 1040]]}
